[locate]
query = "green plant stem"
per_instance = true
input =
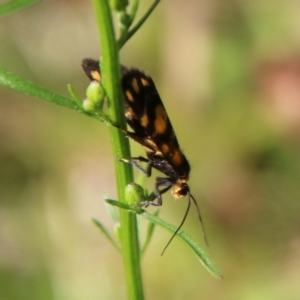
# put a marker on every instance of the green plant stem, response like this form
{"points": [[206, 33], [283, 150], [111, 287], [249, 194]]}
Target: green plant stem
{"points": [[111, 81]]}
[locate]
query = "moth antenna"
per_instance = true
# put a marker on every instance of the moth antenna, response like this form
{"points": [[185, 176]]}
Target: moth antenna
{"points": [[176, 231], [200, 219]]}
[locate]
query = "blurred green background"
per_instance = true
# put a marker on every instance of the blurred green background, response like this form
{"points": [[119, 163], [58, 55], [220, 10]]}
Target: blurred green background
{"points": [[229, 75]]}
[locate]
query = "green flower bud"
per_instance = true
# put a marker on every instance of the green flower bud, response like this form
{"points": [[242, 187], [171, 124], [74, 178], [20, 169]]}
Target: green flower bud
{"points": [[88, 105], [95, 95], [118, 5], [134, 194]]}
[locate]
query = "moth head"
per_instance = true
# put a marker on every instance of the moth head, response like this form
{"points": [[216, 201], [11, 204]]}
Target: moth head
{"points": [[180, 189]]}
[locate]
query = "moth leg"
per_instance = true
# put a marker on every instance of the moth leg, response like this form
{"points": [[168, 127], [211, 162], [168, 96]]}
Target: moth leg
{"points": [[134, 161], [159, 182], [136, 137]]}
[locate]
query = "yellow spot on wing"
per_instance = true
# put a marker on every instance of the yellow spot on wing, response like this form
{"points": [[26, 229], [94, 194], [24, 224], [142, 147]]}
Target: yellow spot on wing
{"points": [[177, 157], [135, 85], [130, 114], [151, 145], [96, 75], [160, 119], [145, 82], [165, 148], [129, 96], [144, 120]]}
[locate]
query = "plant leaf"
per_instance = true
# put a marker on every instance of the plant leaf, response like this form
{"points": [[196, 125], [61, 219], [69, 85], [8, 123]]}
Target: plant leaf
{"points": [[150, 230], [206, 261], [101, 227], [14, 5], [17, 83]]}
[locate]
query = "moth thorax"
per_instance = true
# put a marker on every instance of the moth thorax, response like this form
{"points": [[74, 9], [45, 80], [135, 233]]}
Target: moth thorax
{"points": [[180, 189]]}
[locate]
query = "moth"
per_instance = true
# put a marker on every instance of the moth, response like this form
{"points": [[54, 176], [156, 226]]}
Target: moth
{"points": [[151, 127]]}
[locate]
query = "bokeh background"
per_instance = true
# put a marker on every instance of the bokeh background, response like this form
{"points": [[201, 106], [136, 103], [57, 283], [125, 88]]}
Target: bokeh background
{"points": [[229, 76]]}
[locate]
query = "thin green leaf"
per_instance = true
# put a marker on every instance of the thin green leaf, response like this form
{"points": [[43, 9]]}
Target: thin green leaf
{"points": [[101, 227], [133, 11], [118, 204], [206, 261], [113, 211], [14, 5], [19, 84], [124, 38], [74, 95], [150, 230], [29, 88]]}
